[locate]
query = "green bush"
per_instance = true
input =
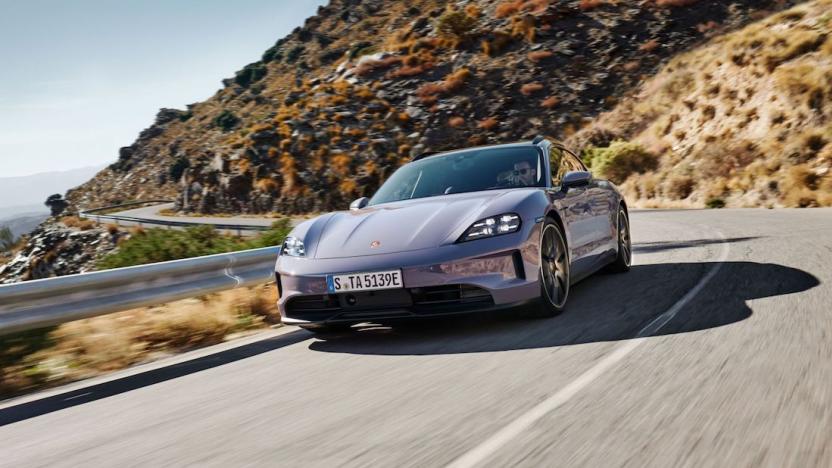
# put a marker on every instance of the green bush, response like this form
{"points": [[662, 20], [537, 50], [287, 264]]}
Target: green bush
{"points": [[250, 73], [294, 54], [161, 245], [456, 24], [619, 160], [715, 203], [226, 120], [273, 54]]}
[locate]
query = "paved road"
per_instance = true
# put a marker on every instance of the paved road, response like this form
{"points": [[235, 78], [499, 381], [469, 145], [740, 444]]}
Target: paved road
{"points": [[149, 216], [151, 213], [715, 350]]}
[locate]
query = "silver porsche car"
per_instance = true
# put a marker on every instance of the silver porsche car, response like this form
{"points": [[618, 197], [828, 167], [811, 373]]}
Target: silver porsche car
{"points": [[508, 226]]}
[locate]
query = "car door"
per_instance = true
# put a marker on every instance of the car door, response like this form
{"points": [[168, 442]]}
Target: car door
{"points": [[600, 225], [575, 210]]}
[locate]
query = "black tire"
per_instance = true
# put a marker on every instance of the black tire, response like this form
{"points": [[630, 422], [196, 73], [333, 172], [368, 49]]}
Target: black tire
{"points": [[624, 258], [554, 272]]}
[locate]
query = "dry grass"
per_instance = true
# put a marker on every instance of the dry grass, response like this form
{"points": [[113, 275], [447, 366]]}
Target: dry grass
{"points": [[456, 121], [550, 102], [488, 123], [538, 56], [90, 347], [743, 120], [429, 92], [78, 223], [675, 3]]}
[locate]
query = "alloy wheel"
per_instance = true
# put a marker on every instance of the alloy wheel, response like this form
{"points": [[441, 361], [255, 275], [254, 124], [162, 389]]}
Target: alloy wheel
{"points": [[554, 266]]}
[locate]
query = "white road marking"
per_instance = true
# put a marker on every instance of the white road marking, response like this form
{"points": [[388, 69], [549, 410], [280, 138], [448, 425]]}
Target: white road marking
{"points": [[491, 445]]}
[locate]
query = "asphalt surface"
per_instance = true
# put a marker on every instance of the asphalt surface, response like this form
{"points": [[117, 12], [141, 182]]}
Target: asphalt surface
{"points": [[715, 350], [151, 214]]}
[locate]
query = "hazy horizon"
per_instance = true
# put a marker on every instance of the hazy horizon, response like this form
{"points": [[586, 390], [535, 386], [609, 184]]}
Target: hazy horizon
{"points": [[82, 80]]}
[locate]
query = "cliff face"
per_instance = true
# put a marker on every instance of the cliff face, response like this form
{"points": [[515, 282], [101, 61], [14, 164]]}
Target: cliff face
{"points": [[334, 107], [745, 120]]}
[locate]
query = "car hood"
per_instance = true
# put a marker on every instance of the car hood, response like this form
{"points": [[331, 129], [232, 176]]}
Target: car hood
{"points": [[404, 226]]}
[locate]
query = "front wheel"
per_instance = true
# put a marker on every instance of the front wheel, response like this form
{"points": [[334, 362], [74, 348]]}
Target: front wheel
{"points": [[554, 271]]}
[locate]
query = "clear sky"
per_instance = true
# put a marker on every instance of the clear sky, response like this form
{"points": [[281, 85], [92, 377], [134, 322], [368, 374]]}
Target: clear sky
{"points": [[79, 79]]}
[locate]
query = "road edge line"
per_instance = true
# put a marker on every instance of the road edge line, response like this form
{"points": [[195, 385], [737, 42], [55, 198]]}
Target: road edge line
{"points": [[485, 449]]}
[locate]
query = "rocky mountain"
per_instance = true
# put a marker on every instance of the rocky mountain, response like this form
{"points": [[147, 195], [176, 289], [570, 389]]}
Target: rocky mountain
{"points": [[333, 108], [23, 223], [26, 194]]}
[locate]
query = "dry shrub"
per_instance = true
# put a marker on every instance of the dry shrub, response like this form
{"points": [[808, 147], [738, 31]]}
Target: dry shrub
{"points": [[523, 27], [410, 70], [112, 229], [79, 223], [675, 3], [266, 185], [678, 186], [549, 102], [726, 158], [488, 123], [497, 43], [798, 187], [456, 121], [538, 56], [530, 88], [429, 92], [785, 47], [512, 7], [456, 24], [586, 5], [649, 46]]}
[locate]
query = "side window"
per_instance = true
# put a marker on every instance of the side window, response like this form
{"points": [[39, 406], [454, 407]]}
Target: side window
{"points": [[574, 162], [555, 165]]}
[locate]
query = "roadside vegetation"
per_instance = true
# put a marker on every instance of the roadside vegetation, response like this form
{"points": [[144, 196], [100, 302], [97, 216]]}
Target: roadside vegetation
{"points": [[160, 245], [57, 355], [44, 358]]}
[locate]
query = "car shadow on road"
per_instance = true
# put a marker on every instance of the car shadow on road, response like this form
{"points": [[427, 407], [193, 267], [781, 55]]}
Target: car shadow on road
{"points": [[602, 308], [652, 247]]}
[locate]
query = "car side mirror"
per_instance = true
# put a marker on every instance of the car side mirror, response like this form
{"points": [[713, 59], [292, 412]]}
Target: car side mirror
{"points": [[575, 179], [359, 203]]}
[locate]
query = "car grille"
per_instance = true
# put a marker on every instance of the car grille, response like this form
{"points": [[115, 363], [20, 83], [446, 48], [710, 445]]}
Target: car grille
{"points": [[389, 303]]}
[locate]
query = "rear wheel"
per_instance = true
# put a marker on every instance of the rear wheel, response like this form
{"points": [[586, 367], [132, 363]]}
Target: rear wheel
{"points": [[554, 271], [625, 249]]}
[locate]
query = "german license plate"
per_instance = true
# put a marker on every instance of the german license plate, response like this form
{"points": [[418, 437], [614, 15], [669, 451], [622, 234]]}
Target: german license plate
{"points": [[364, 281]]}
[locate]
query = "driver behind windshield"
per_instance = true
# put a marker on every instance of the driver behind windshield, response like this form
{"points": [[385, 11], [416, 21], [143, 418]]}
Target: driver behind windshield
{"points": [[523, 175]]}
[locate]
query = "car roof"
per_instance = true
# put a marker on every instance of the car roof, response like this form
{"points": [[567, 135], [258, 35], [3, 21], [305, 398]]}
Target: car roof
{"points": [[536, 142]]}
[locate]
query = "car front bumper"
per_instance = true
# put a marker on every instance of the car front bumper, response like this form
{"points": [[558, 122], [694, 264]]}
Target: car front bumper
{"points": [[476, 276]]}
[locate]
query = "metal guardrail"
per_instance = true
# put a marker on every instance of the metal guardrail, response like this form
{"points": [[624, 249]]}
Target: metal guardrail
{"points": [[91, 214], [52, 301]]}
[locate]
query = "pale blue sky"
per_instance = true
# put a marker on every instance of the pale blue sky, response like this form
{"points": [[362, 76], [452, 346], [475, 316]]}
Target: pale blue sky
{"points": [[79, 79]]}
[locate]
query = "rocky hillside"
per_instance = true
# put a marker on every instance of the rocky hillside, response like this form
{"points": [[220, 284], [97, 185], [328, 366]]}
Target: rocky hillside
{"points": [[745, 120], [333, 108]]}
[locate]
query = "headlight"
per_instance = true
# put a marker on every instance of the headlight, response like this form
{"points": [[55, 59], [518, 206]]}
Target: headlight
{"points": [[493, 226], [293, 247]]}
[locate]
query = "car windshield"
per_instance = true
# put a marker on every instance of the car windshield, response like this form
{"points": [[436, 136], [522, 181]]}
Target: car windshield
{"points": [[464, 171]]}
